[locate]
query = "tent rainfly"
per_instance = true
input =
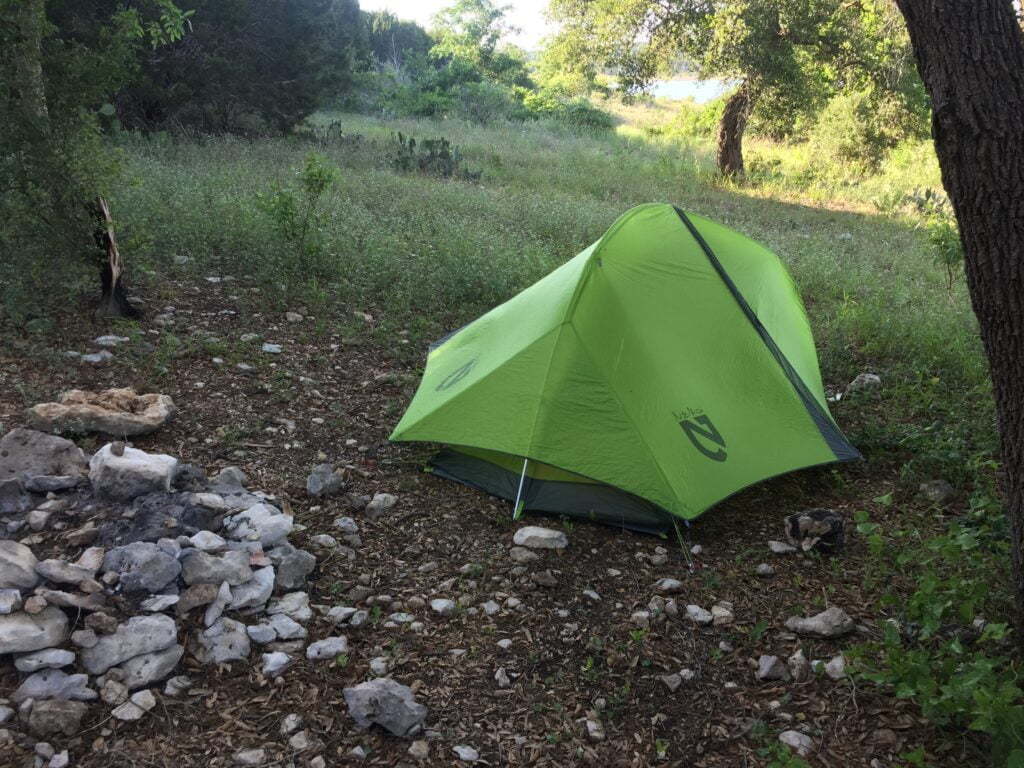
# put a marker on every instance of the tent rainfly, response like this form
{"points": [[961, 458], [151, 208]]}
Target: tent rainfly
{"points": [[664, 368]]}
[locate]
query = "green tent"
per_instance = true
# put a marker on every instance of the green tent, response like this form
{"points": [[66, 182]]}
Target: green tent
{"points": [[664, 368]]}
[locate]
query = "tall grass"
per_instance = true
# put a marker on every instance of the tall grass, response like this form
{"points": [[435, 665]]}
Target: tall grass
{"points": [[429, 255], [425, 255]]}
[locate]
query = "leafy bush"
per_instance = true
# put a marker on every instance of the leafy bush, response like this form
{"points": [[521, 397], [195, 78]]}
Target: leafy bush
{"points": [[578, 113], [252, 67], [54, 162], [582, 115], [413, 101], [433, 157], [695, 119], [485, 102], [859, 127], [935, 216], [296, 212]]}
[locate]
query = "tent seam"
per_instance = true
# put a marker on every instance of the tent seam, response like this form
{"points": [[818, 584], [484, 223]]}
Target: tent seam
{"points": [[829, 431]]}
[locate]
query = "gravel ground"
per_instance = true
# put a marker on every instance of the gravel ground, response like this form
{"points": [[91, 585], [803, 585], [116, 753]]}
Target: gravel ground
{"points": [[333, 396]]}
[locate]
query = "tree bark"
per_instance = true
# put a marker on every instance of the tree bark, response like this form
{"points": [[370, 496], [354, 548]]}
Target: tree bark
{"points": [[971, 58], [113, 301], [730, 132]]}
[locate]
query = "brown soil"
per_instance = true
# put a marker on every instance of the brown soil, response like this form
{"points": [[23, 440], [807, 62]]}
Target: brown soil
{"points": [[560, 666]]}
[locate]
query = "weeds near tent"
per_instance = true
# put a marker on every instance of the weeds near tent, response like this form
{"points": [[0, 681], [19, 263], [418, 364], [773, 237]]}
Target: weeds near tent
{"points": [[757, 631], [947, 650], [780, 756], [777, 755]]}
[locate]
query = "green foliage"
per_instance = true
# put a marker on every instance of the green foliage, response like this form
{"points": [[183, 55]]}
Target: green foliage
{"points": [[577, 113], [485, 102], [940, 224], [469, 32], [565, 66], [54, 76], [467, 71], [690, 121], [251, 67], [938, 652], [433, 157], [934, 214], [392, 41], [792, 57], [776, 754], [297, 215], [582, 115], [780, 756], [859, 128]]}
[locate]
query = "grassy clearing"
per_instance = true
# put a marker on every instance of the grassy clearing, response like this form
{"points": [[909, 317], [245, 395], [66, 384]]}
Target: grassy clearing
{"points": [[427, 255], [424, 255]]}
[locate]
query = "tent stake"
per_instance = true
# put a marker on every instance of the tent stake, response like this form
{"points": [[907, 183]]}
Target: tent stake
{"points": [[682, 542], [517, 510]]}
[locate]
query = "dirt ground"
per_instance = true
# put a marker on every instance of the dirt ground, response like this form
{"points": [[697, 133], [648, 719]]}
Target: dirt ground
{"points": [[333, 395]]}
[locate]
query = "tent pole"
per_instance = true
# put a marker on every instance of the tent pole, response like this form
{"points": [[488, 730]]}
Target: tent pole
{"points": [[517, 511]]}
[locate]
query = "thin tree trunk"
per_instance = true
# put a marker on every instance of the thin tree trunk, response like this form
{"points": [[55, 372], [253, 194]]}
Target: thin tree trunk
{"points": [[730, 132], [971, 58], [113, 300]]}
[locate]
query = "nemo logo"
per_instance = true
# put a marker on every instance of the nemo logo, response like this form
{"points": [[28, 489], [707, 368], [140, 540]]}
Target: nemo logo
{"points": [[705, 436], [456, 376]]}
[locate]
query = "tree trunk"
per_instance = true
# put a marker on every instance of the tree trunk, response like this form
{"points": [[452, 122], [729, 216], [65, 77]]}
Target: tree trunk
{"points": [[113, 300], [730, 132], [971, 58]]}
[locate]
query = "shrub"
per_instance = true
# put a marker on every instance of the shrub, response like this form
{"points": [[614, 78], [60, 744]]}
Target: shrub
{"points": [[254, 68], [433, 157], [415, 101], [939, 222], [695, 119], [296, 214], [485, 102], [859, 127], [582, 115], [579, 113]]}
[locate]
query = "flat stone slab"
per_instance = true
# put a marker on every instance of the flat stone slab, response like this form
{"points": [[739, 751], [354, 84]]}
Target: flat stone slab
{"points": [[24, 632], [28, 452], [130, 473], [536, 537], [138, 635], [389, 704], [832, 622], [117, 412], [17, 566]]}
